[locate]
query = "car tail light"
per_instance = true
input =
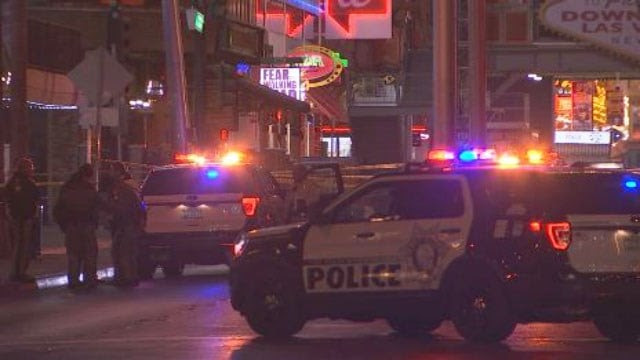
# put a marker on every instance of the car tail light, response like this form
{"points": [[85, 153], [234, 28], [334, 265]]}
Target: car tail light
{"points": [[250, 205], [535, 226], [558, 233]]}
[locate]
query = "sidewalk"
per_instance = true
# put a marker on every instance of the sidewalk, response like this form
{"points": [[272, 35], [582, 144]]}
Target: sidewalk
{"points": [[53, 262]]}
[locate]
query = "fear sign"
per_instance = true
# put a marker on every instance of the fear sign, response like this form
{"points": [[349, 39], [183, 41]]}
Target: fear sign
{"points": [[358, 19]]}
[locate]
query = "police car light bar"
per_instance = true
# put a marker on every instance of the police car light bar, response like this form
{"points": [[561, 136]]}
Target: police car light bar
{"points": [[231, 158], [440, 155], [190, 159]]}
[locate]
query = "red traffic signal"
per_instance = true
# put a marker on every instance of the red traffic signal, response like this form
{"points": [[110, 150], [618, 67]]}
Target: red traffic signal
{"points": [[224, 134]]}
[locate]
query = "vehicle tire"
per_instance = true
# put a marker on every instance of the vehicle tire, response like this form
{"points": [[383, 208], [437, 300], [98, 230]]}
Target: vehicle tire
{"points": [[273, 307], [480, 309], [146, 268], [617, 325], [413, 327], [172, 269]]}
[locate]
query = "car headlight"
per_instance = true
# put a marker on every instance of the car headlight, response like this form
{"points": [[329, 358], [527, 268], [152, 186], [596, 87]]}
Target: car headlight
{"points": [[240, 244]]}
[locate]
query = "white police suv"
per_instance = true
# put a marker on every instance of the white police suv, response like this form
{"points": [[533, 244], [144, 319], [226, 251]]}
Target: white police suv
{"points": [[487, 248], [195, 212]]}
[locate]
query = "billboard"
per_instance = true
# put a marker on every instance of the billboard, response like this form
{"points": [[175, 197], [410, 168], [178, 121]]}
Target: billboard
{"points": [[283, 80], [610, 24]]}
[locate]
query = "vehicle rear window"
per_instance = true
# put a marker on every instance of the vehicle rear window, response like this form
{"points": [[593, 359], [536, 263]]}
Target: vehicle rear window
{"points": [[205, 180], [565, 193], [591, 193]]}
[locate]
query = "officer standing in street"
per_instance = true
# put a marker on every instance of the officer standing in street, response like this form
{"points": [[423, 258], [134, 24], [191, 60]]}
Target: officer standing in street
{"points": [[76, 212], [23, 200], [127, 227]]}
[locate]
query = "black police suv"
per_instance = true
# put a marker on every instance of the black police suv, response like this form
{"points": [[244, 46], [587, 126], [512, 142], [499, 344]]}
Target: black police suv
{"points": [[486, 248]]}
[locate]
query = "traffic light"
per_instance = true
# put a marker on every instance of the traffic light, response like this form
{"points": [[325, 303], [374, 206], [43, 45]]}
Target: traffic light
{"points": [[224, 135]]}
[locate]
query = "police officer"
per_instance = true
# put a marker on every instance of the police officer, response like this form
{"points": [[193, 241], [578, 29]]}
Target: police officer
{"points": [[303, 196], [76, 212], [127, 227], [23, 200]]}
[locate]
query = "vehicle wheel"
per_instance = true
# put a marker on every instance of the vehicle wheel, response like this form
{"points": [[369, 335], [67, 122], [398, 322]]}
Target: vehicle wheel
{"points": [[618, 326], [172, 269], [273, 306], [480, 310], [146, 268], [413, 327]]}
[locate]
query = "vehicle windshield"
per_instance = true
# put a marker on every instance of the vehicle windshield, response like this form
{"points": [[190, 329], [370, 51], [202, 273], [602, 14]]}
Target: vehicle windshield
{"points": [[204, 180]]}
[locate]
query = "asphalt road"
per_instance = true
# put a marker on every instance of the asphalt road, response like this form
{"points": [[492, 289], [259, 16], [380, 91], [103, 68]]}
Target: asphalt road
{"points": [[191, 318]]}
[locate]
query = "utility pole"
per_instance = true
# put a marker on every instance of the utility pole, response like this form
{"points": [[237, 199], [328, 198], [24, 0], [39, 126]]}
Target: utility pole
{"points": [[477, 72], [14, 33], [175, 72], [445, 66], [198, 93]]}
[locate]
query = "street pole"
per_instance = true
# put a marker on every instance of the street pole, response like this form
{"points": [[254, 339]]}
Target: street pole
{"points": [[14, 32], [4, 129], [199, 89], [101, 53], [175, 72], [445, 89], [477, 72]]}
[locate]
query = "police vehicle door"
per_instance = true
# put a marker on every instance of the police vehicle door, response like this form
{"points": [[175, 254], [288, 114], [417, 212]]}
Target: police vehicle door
{"points": [[357, 250], [405, 246], [438, 210]]}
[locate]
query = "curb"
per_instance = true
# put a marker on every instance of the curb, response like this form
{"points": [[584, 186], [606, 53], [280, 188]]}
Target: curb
{"points": [[46, 282]]}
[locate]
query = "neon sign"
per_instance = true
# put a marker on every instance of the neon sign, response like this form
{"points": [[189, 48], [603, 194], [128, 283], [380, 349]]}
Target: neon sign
{"points": [[320, 66], [358, 19], [294, 18]]}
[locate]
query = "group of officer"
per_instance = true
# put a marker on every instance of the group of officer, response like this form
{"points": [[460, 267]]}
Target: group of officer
{"points": [[77, 211]]}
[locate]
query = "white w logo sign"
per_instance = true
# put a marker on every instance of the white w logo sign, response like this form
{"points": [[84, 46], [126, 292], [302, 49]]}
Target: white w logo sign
{"points": [[345, 4]]}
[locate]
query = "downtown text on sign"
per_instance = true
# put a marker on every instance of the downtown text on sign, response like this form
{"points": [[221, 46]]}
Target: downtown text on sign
{"points": [[283, 80], [611, 24]]}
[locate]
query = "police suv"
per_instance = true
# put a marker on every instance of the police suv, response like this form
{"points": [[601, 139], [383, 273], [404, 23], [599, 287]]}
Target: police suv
{"points": [[195, 211], [484, 247]]}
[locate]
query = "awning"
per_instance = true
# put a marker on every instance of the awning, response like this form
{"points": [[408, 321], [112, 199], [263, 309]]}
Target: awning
{"points": [[273, 97]]}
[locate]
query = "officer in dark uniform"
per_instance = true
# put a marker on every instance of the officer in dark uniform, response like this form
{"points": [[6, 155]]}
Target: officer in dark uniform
{"points": [[23, 200], [76, 212], [127, 227], [304, 194]]}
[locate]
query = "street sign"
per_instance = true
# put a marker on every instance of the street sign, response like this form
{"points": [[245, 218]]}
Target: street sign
{"points": [[195, 20], [109, 117], [85, 76]]}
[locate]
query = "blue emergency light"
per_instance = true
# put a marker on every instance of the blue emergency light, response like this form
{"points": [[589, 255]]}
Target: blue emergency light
{"points": [[468, 155], [213, 174], [631, 184]]}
